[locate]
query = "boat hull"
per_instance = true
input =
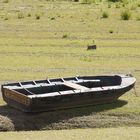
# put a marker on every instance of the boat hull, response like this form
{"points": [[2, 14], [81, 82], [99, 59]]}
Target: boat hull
{"points": [[62, 102]]}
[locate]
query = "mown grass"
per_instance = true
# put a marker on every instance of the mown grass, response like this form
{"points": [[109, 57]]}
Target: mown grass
{"points": [[121, 133], [36, 49]]}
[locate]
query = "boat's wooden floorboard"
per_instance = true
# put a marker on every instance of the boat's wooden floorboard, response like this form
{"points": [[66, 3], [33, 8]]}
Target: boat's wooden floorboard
{"points": [[75, 86]]}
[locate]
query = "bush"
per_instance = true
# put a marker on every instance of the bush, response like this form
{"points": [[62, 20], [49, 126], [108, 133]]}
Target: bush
{"points": [[133, 7], [6, 18], [65, 36], [110, 31], [138, 18], [123, 5], [114, 0], [105, 15], [5, 1], [28, 15], [87, 1], [118, 5], [86, 59], [37, 16], [125, 15], [52, 18], [109, 5], [123, 1], [20, 15]]}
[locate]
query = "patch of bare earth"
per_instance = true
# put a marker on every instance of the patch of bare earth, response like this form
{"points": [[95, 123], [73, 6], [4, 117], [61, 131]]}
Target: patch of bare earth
{"points": [[84, 117]]}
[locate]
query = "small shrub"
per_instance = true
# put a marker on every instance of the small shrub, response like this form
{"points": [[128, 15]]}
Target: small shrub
{"points": [[138, 4], [118, 5], [114, 0], [5, 1], [125, 15], [20, 15], [84, 1], [109, 5], [87, 1], [105, 15], [6, 18], [111, 31], [86, 59], [138, 17], [40, 6], [28, 15], [125, 2], [52, 18], [58, 15], [122, 1], [123, 5], [133, 7], [65, 36], [71, 16], [37, 16]]}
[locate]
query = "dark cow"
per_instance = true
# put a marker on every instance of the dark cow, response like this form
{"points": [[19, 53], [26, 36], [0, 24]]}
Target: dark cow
{"points": [[91, 47]]}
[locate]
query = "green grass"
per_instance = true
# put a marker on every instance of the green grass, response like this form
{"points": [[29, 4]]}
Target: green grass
{"points": [[105, 15], [121, 133], [36, 49], [126, 15]]}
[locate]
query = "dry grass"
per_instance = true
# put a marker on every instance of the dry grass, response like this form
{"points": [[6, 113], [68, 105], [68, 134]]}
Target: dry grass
{"points": [[35, 49], [120, 133], [119, 113]]}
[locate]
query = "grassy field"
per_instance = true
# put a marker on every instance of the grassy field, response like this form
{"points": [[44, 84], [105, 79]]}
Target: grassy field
{"points": [[121, 133], [55, 44], [40, 39]]}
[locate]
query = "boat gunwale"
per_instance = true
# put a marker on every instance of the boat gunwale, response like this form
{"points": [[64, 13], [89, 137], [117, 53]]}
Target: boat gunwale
{"points": [[63, 79], [94, 89]]}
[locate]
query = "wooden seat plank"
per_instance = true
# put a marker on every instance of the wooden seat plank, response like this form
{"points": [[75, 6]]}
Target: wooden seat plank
{"points": [[75, 86]]}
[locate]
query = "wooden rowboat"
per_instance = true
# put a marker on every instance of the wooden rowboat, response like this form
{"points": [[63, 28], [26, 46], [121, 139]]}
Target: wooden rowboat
{"points": [[60, 93]]}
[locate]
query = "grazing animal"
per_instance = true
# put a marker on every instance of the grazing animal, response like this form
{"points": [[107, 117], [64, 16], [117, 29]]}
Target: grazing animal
{"points": [[91, 47]]}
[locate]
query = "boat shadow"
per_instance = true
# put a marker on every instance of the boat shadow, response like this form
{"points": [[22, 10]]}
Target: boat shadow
{"points": [[60, 119]]}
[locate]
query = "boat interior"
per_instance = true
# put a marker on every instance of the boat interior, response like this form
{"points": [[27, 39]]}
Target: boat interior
{"points": [[49, 86]]}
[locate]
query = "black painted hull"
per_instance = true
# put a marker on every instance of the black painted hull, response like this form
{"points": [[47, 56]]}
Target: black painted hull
{"points": [[64, 101]]}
